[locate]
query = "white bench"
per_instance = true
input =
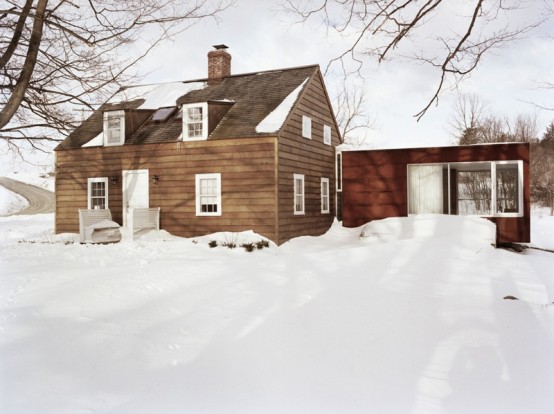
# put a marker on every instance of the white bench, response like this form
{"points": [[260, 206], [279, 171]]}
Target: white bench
{"points": [[144, 219], [96, 226]]}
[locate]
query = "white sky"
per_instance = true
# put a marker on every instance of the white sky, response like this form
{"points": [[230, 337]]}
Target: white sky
{"points": [[259, 38]]}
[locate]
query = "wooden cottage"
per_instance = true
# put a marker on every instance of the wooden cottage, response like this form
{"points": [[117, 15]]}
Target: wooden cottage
{"points": [[226, 153], [489, 181]]}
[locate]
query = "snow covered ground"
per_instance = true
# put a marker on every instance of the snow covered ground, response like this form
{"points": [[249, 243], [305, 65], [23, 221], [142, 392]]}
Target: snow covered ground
{"points": [[401, 316], [10, 202]]}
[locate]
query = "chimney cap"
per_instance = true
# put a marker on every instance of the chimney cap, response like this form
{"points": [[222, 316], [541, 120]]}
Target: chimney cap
{"points": [[221, 47]]}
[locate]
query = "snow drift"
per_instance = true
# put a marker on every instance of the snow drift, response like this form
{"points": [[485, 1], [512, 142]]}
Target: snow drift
{"points": [[399, 316]]}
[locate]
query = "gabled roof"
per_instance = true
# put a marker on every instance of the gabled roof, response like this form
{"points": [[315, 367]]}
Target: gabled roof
{"points": [[259, 103]]}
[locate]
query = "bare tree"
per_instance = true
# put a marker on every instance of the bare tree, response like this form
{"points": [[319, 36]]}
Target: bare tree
{"points": [[471, 124], [350, 111], [469, 110], [380, 27], [60, 55], [542, 162]]}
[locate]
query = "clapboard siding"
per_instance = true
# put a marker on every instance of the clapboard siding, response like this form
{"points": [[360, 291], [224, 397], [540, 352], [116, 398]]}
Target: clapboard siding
{"points": [[256, 172], [247, 168], [375, 182], [310, 157]]}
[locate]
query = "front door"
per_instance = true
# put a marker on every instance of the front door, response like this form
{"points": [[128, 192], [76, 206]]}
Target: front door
{"points": [[135, 192]]}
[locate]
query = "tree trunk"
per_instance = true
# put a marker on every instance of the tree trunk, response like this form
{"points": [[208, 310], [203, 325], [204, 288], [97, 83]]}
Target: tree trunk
{"points": [[25, 76]]}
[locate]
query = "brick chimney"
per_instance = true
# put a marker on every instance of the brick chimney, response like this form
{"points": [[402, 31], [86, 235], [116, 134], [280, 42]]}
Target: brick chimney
{"points": [[219, 64]]}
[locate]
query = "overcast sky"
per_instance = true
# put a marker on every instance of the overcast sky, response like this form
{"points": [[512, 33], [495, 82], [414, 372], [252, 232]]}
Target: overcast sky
{"points": [[261, 38]]}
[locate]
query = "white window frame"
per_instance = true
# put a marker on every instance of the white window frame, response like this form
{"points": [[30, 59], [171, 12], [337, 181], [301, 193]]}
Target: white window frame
{"points": [[338, 167], [325, 198], [299, 194], [217, 194], [306, 127], [92, 180], [326, 134], [109, 115], [493, 199], [186, 121], [519, 188]]}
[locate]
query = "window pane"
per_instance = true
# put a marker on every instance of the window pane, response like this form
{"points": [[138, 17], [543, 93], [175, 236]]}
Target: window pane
{"points": [[163, 113], [306, 127], [208, 195], [195, 129], [339, 171], [425, 189], [327, 134], [194, 114], [97, 194], [474, 192], [299, 194], [507, 193]]}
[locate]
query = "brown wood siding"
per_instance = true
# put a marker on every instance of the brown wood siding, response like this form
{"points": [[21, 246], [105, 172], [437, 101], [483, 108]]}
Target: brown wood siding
{"points": [[309, 157], [375, 182], [216, 112], [134, 119], [247, 168]]}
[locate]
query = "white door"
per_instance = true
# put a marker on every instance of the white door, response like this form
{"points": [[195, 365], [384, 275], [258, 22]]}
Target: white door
{"points": [[135, 192]]}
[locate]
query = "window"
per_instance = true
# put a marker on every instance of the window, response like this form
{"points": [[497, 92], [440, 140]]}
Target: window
{"points": [[195, 121], [491, 189], [298, 194], [507, 188], [325, 195], [425, 189], [114, 128], [98, 193], [163, 113], [306, 127], [339, 171], [473, 190], [327, 134], [208, 194]]}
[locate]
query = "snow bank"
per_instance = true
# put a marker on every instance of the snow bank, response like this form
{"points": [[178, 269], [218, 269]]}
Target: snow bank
{"points": [[398, 316], [10, 202], [41, 179], [542, 228]]}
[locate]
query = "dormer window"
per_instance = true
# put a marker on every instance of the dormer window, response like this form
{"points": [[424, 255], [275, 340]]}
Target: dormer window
{"points": [[114, 128], [195, 121]]}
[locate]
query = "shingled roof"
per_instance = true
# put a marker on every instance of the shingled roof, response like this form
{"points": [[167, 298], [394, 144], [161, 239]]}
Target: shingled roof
{"points": [[252, 97]]}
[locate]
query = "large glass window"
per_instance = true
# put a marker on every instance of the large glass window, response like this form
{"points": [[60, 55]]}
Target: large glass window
{"points": [[472, 188], [208, 194], [507, 188], [426, 190], [98, 193]]}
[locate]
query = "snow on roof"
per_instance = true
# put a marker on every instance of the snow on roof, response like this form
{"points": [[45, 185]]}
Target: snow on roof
{"points": [[275, 119], [97, 141], [157, 95]]}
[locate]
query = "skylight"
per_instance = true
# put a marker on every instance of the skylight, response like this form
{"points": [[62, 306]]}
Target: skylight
{"points": [[163, 113]]}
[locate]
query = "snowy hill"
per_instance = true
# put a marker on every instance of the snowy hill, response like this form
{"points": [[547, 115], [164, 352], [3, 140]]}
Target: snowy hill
{"points": [[400, 316]]}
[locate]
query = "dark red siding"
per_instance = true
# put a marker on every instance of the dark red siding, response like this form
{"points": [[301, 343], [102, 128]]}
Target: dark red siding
{"points": [[374, 183]]}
